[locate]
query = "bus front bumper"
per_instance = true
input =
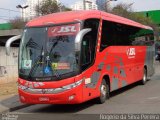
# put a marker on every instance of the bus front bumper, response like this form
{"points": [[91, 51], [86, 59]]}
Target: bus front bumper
{"points": [[71, 96]]}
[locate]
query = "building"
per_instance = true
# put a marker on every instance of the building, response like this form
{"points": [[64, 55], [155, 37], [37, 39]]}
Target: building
{"points": [[5, 26], [84, 5], [8, 64], [101, 4], [154, 15], [30, 11]]}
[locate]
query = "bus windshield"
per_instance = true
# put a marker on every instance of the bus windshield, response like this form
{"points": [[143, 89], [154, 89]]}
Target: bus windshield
{"points": [[48, 53]]}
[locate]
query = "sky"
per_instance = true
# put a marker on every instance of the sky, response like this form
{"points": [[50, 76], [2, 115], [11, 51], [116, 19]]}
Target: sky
{"points": [[138, 5]]}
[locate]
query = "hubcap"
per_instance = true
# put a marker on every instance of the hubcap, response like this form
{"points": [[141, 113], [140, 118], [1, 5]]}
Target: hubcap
{"points": [[144, 77], [103, 90]]}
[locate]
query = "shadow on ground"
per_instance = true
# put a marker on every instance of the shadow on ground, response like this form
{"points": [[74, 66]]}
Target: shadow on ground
{"points": [[79, 107]]}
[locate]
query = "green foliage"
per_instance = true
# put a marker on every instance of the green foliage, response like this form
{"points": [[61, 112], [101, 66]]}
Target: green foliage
{"points": [[49, 6]]}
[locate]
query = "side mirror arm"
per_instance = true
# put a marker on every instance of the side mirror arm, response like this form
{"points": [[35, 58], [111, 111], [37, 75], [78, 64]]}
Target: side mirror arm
{"points": [[79, 38], [9, 42]]}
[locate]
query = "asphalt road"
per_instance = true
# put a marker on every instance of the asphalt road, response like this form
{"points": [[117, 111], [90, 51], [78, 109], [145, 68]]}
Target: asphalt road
{"points": [[133, 99]]}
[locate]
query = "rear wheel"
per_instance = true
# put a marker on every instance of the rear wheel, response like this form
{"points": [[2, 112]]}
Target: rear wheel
{"points": [[144, 79], [104, 92]]}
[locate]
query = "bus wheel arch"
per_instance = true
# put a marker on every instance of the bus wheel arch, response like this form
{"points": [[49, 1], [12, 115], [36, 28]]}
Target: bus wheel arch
{"points": [[104, 90], [107, 79], [145, 68]]}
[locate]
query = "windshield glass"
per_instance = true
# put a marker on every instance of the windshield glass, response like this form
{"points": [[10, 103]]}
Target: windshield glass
{"points": [[48, 53]]}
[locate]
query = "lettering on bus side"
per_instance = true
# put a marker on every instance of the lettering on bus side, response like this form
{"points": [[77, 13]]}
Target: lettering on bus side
{"points": [[131, 53]]}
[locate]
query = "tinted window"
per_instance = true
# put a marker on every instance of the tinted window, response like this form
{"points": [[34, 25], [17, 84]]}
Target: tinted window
{"points": [[115, 34]]}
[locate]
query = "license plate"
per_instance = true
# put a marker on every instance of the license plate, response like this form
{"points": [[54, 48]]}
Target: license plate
{"points": [[43, 99]]}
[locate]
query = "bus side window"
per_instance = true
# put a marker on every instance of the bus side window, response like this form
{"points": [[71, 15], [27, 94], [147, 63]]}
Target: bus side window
{"points": [[116, 34], [143, 37], [107, 35]]}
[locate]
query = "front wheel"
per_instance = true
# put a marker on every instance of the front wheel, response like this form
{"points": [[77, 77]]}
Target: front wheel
{"points": [[144, 79], [104, 92]]}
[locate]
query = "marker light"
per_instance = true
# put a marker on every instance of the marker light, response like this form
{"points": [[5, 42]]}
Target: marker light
{"points": [[71, 97]]}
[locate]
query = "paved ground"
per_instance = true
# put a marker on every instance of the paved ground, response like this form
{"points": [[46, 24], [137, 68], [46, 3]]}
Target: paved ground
{"points": [[133, 99]]}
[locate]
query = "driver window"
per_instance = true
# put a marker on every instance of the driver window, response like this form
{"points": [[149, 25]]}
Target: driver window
{"points": [[89, 41], [86, 49]]}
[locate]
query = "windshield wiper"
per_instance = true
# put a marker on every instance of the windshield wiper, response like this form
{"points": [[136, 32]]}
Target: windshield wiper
{"points": [[56, 72], [37, 62]]}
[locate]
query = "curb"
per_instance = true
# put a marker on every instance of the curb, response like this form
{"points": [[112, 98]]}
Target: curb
{"points": [[11, 104], [15, 108], [18, 107]]}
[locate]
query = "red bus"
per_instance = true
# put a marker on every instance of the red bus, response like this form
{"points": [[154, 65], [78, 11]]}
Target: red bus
{"points": [[72, 57]]}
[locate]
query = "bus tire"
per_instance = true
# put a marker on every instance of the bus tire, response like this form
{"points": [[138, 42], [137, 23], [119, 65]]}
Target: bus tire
{"points": [[104, 92], [144, 79]]}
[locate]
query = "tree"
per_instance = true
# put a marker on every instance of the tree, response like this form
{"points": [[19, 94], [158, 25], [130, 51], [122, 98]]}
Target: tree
{"points": [[64, 8], [49, 6], [125, 10], [17, 23]]}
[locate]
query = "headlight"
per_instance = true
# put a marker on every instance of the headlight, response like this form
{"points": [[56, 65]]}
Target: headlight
{"points": [[22, 87], [70, 86], [50, 91]]}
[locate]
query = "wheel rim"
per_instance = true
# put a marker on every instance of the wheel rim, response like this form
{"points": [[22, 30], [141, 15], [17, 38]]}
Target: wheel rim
{"points": [[145, 76], [103, 91]]}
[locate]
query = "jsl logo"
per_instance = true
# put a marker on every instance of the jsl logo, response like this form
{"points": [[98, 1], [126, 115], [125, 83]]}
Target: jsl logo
{"points": [[64, 29], [67, 29], [131, 52]]}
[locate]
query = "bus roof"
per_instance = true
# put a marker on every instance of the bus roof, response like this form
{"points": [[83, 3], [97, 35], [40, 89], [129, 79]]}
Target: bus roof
{"points": [[73, 16]]}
